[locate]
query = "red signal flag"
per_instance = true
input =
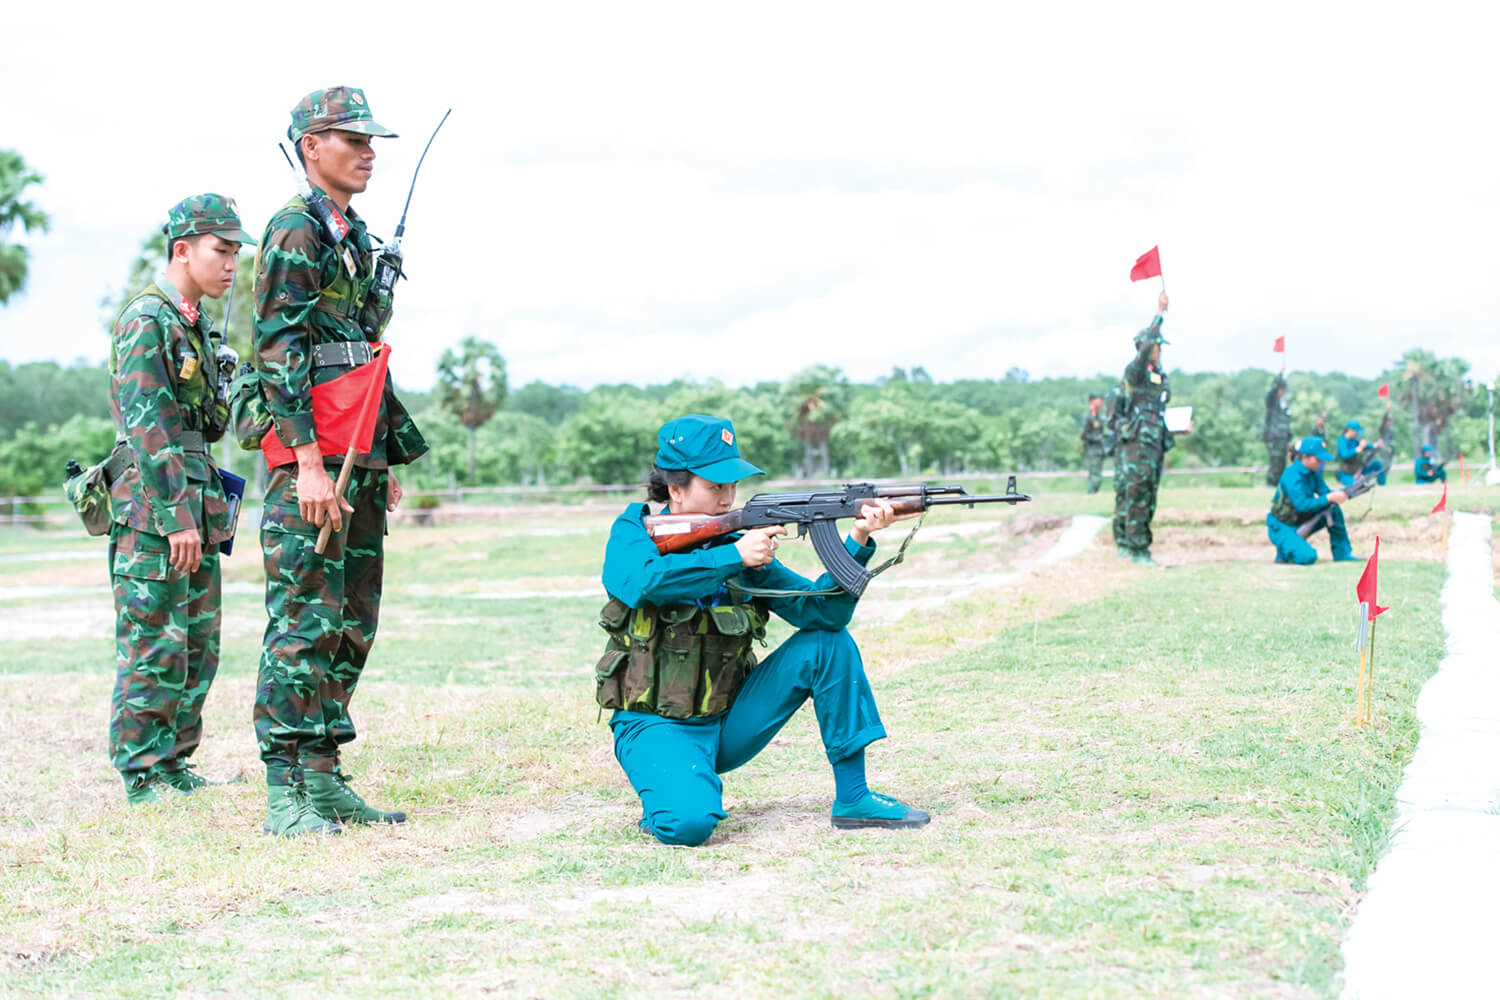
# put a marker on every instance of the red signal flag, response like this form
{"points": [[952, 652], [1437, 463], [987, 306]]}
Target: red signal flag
{"points": [[1279, 347], [1364, 591], [345, 410], [1384, 392], [1147, 265], [1442, 503]]}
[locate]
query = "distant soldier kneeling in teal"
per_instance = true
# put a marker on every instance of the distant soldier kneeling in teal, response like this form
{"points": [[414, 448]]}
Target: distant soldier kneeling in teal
{"points": [[691, 702], [1357, 456], [1428, 471], [1301, 495]]}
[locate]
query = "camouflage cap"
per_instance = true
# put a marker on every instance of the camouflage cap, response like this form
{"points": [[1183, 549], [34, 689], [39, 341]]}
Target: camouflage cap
{"points": [[206, 213], [342, 108]]}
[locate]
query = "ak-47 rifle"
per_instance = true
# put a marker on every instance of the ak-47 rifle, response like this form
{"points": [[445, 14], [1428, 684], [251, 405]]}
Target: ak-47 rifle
{"points": [[816, 513], [1360, 487]]}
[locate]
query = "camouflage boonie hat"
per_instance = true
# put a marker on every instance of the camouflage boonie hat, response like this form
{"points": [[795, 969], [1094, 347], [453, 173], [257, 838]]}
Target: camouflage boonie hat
{"points": [[206, 213], [342, 108]]}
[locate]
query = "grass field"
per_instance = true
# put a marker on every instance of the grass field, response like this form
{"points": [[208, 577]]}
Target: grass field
{"points": [[1142, 782]]}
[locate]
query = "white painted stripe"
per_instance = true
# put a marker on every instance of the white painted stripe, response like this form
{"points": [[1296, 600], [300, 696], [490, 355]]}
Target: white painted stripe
{"points": [[1428, 923]]}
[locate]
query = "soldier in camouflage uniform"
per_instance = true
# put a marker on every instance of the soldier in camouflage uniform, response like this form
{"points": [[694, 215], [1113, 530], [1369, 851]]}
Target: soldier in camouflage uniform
{"points": [[1277, 432], [311, 288], [170, 513], [1118, 407], [1092, 432], [1385, 447], [1143, 442]]}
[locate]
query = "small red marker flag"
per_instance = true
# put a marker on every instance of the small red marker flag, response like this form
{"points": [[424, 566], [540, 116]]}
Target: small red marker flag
{"points": [[1147, 265], [1442, 503], [1364, 591], [1384, 392], [1279, 347]]}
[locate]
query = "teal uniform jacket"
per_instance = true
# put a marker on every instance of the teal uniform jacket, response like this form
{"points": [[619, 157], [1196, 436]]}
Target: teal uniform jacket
{"points": [[637, 574]]}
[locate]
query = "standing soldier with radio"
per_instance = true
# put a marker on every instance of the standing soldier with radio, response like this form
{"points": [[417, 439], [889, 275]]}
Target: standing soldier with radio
{"points": [[169, 504], [316, 318]]}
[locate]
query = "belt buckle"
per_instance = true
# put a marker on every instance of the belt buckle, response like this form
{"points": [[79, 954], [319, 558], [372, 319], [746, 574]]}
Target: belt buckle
{"points": [[349, 353]]}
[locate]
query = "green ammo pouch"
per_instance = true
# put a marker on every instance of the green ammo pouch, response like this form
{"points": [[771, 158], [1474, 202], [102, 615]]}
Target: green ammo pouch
{"points": [[88, 490], [247, 408]]}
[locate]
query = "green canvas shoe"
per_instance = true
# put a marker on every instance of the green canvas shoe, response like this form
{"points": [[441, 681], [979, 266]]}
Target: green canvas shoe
{"points": [[289, 814], [879, 812], [145, 787], [334, 800]]}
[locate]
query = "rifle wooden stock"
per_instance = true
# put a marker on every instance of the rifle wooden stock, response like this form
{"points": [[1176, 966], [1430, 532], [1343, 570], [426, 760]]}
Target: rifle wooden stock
{"points": [[683, 532]]}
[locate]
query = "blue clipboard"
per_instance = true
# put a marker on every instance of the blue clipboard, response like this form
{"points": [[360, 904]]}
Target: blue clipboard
{"points": [[234, 492]]}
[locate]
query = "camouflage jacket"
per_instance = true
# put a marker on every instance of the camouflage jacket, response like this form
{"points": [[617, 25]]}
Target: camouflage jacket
{"points": [[1278, 425], [1149, 390], [309, 292], [160, 364], [1092, 428]]}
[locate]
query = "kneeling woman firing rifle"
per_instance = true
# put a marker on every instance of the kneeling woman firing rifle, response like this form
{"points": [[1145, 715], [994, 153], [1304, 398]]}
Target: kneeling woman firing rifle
{"points": [[692, 590]]}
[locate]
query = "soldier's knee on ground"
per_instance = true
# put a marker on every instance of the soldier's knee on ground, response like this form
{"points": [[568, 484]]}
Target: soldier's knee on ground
{"points": [[682, 828]]}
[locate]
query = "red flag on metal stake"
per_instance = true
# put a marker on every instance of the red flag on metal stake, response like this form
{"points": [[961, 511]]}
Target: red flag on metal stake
{"points": [[1442, 503], [1364, 591]]}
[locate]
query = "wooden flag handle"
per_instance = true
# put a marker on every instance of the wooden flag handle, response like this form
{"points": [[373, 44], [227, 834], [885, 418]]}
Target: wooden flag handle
{"points": [[338, 498]]}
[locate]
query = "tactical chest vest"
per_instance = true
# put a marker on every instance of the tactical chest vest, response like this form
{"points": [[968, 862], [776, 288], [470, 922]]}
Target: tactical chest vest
{"points": [[1353, 464], [1283, 510], [679, 661], [191, 364], [343, 294]]}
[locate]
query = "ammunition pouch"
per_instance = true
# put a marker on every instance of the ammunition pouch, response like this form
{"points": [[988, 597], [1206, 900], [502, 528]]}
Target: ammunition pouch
{"points": [[248, 411], [88, 491], [679, 661]]}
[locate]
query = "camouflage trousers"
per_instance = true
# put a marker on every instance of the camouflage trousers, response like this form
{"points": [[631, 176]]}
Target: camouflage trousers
{"points": [[166, 650], [1276, 451], [1093, 464], [1137, 474], [323, 611]]}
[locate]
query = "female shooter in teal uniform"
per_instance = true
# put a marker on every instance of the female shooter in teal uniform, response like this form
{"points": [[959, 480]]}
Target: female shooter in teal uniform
{"points": [[690, 700]]}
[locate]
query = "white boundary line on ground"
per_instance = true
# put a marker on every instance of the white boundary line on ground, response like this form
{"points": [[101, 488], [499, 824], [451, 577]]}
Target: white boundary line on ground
{"points": [[1427, 926]]}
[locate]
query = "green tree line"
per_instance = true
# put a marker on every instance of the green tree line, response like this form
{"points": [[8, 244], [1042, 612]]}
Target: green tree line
{"points": [[815, 424]]}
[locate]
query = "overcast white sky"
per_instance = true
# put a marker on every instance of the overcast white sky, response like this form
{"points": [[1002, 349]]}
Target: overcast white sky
{"points": [[635, 192]]}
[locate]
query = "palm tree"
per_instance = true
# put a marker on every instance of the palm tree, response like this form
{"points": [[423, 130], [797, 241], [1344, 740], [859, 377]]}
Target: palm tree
{"points": [[472, 386], [1435, 389], [817, 398], [15, 177]]}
